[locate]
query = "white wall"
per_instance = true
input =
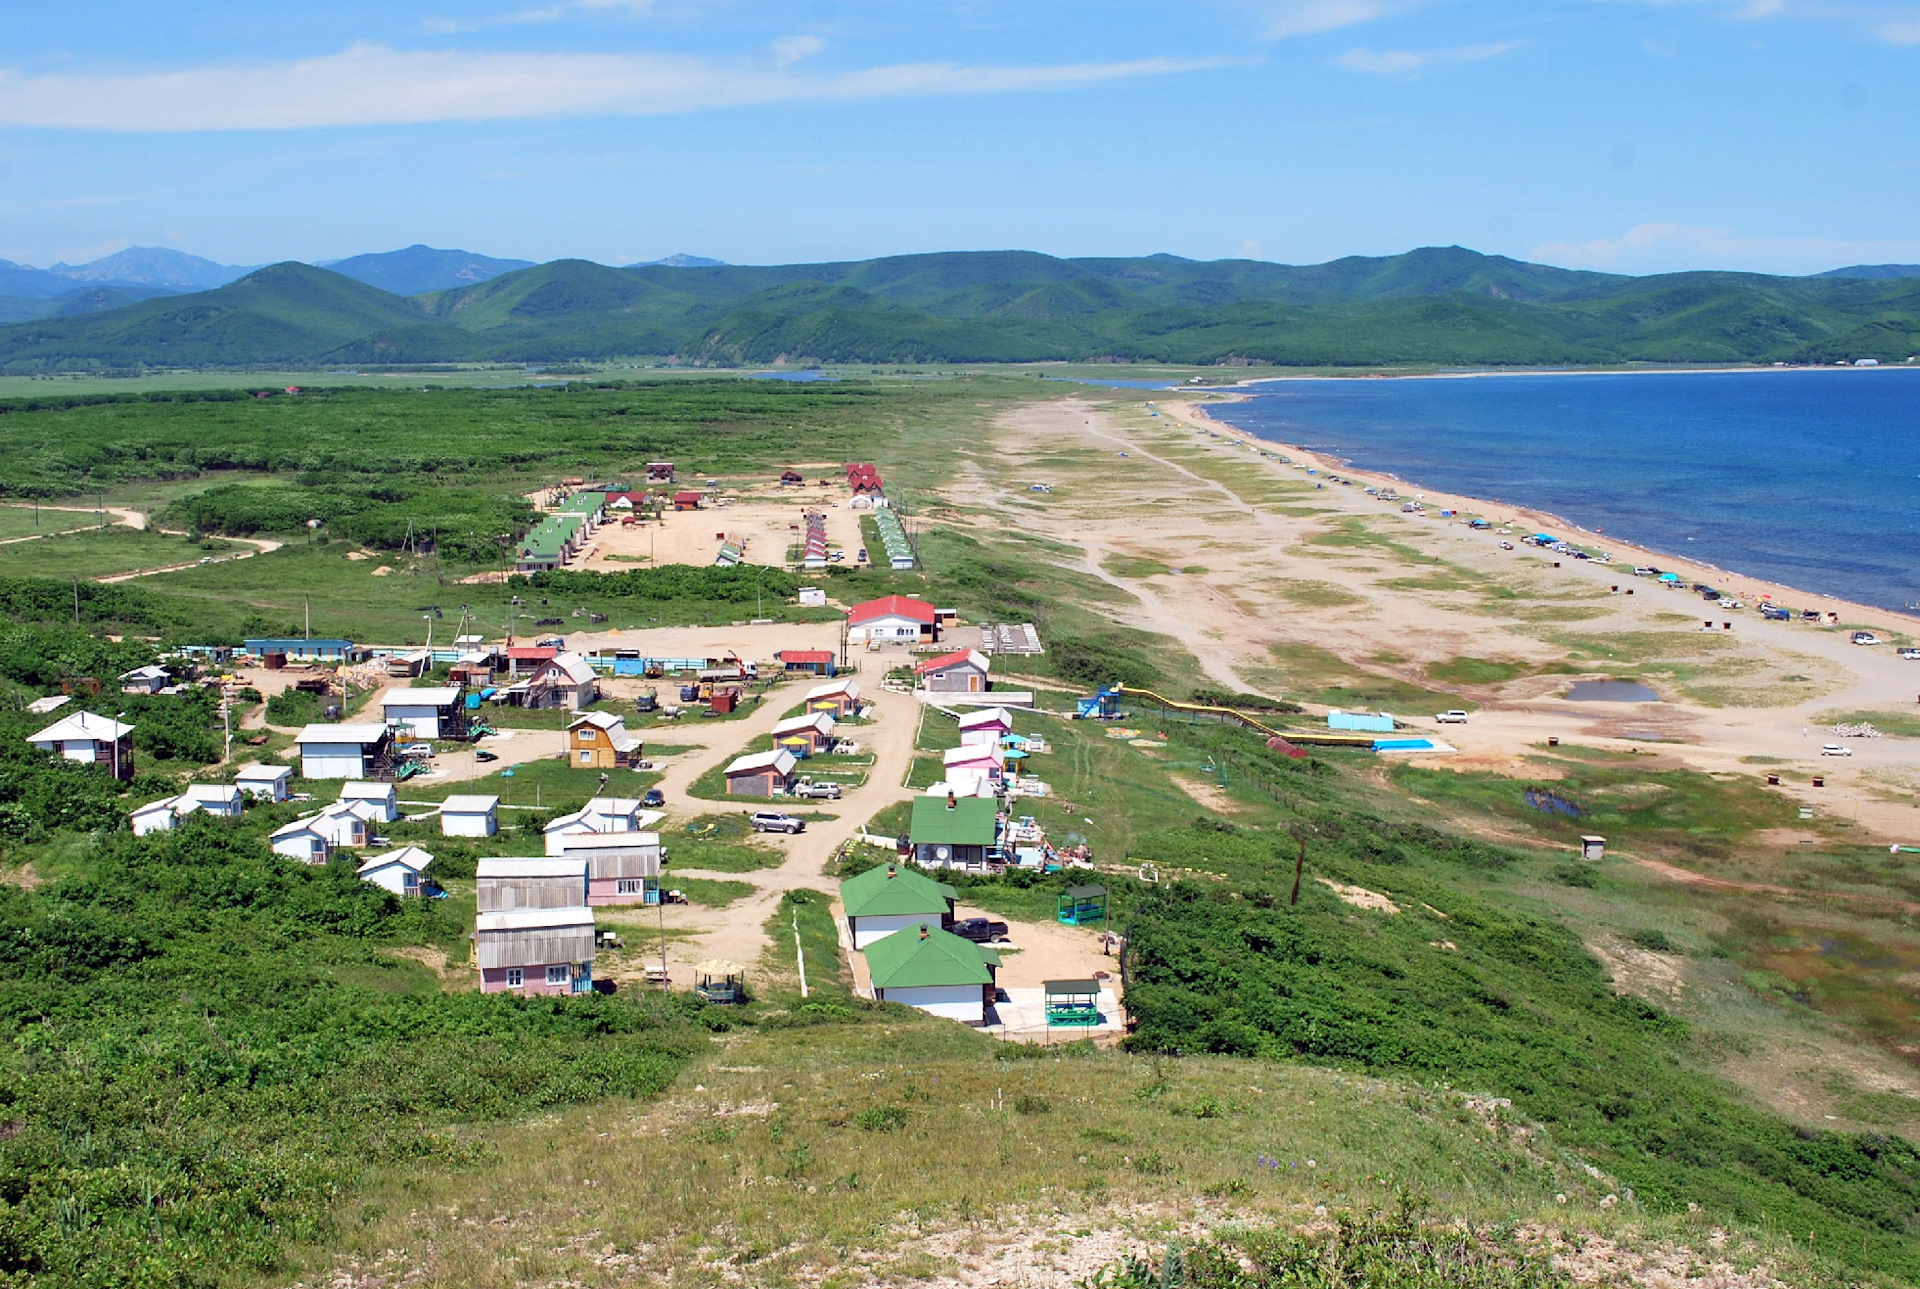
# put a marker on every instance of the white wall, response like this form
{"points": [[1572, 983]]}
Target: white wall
{"points": [[868, 929], [955, 1002], [331, 761], [153, 821], [299, 847], [81, 750], [267, 790], [393, 878], [422, 722], [467, 825]]}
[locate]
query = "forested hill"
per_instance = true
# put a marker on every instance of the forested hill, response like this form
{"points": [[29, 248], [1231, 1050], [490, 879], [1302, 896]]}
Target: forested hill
{"points": [[1436, 305]]}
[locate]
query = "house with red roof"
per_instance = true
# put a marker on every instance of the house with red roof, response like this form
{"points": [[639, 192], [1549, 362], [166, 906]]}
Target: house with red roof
{"points": [[806, 662], [893, 619]]}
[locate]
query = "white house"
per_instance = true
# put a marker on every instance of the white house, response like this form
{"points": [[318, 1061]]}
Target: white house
{"points": [[91, 740], [600, 815], [269, 782], [895, 619], [469, 816], [988, 725], [301, 840], [343, 751], [934, 970], [424, 713], [384, 799], [571, 680], [144, 680], [343, 824], [401, 871], [219, 799]]}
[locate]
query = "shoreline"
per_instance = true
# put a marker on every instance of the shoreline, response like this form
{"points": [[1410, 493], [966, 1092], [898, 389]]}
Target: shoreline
{"points": [[1510, 374], [1520, 515]]}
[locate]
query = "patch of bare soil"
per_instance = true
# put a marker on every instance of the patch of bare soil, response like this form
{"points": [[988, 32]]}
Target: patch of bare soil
{"points": [[432, 957], [1359, 896], [26, 877], [1656, 977], [1209, 795]]}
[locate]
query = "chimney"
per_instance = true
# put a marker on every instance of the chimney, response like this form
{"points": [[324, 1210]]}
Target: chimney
{"points": [[951, 803], [923, 930], [891, 870]]}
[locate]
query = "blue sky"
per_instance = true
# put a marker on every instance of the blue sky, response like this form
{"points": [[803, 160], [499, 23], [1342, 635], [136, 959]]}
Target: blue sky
{"points": [[1630, 135]]}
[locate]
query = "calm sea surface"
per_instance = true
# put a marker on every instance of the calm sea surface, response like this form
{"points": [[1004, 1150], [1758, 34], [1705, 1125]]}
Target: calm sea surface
{"points": [[1811, 478]]}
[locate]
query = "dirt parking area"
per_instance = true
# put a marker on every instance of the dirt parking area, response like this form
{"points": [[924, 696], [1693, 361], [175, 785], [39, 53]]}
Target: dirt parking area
{"points": [[763, 521]]}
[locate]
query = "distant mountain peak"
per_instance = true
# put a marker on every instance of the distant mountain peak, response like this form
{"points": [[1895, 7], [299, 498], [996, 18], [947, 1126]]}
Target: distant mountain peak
{"points": [[682, 260], [419, 268], [152, 266]]}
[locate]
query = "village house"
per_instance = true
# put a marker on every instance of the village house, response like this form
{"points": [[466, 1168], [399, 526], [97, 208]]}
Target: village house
{"points": [[791, 478], [268, 782], [377, 802], [144, 680], [964, 671], [599, 741], [600, 815], [565, 680], [222, 800], [403, 871], [806, 734], [278, 651], [983, 758], [524, 660], [806, 662], [302, 840], [989, 725], [936, 971], [954, 832], [427, 713], [355, 751], [840, 698], [688, 500], [530, 883], [90, 740], [622, 867], [890, 898], [345, 824], [659, 472], [535, 950], [892, 619], [463, 815], [760, 774]]}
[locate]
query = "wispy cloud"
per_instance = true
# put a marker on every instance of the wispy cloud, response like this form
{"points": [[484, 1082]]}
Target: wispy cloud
{"points": [[1282, 19], [1658, 248], [1899, 33], [1411, 62], [371, 84], [788, 50], [539, 13]]}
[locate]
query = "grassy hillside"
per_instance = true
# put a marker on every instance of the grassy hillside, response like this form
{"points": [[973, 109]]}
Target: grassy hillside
{"points": [[1437, 305]]}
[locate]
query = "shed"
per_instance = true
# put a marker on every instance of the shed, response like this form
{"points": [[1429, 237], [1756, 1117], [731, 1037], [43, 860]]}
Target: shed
{"points": [[355, 751], [48, 705], [886, 899], [622, 867], [401, 871], [930, 968], [688, 500], [840, 697], [1083, 905], [301, 840], [530, 883], [222, 800], [322, 649], [1593, 847], [535, 951], [90, 740], [382, 800], [469, 815], [761, 774], [964, 671], [268, 782], [144, 680], [426, 713], [954, 831]]}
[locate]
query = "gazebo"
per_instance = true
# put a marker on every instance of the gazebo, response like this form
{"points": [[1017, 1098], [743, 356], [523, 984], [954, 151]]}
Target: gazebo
{"points": [[1073, 1002], [1083, 905], [718, 980]]}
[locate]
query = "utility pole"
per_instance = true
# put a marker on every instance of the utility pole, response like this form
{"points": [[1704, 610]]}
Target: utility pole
{"points": [[1299, 867]]}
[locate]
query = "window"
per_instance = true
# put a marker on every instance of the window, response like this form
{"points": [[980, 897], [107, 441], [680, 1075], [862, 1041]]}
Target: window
{"points": [[586, 756], [411, 881], [515, 977], [558, 975], [631, 886]]}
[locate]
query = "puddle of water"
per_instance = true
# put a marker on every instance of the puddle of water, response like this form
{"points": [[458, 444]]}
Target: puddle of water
{"points": [[1611, 691]]}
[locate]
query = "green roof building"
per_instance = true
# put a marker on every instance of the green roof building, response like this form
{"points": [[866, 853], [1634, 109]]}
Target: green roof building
{"points": [[891, 898], [954, 832], [934, 970]]}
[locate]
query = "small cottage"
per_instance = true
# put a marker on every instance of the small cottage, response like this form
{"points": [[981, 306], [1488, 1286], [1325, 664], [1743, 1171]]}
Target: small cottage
{"points": [[355, 751], [535, 950], [839, 697], [805, 735], [267, 782], [565, 680], [622, 867], [891, 897], [791, 478], [987, 758], [892, 619], [599, 741], [381, 800], [278, 651], [936, 971], [761, 774], [688, 500], [806, 662], [964, 671], [91, 740], [345, 824], [659, 472], [301, 840], [403, 871], [426, 713], [989, 725], [469, 815], [954, 831], [144, 680], [530, 883]]}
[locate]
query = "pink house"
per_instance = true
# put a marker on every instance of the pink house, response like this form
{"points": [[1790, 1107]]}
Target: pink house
{"points": [[982, 758], [989, 725], [535, 951]]}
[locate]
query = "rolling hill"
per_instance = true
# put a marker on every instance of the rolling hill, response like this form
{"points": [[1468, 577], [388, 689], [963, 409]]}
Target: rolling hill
{"points": [[1436, 305], [418, 269]]}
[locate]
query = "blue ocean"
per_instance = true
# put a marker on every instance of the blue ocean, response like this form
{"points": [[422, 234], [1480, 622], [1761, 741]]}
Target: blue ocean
{"points": [[1809, 478]]}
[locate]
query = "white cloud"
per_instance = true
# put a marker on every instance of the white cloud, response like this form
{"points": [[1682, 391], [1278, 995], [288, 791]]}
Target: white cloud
{"points": [[1899, 33], [788, 50], [1310, 17], [1409, 62], [371, 84], [1667, 248]]}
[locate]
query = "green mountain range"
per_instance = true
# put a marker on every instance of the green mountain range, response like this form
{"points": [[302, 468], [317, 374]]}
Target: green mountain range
{"points": [[1432, 306]]}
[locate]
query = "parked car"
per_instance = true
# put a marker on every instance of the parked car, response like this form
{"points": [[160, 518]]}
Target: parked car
{"points": [[415, 751], [1910, 653], [980, 930], [1454, 717], [1506, 546], [653, 797], [1865, 638], [776, 821], [1776, 613], [1835, 749], [810, 791]]}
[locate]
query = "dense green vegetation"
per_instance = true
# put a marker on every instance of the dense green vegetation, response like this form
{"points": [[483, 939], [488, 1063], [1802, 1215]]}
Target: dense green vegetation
{"points": [[467, 524], [741, 584], [204, 1044], [1435, 305]]}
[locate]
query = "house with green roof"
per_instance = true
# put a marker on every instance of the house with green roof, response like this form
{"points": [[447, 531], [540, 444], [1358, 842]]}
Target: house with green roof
{"points": [[935, 970], [954, 832], [891, 898]]}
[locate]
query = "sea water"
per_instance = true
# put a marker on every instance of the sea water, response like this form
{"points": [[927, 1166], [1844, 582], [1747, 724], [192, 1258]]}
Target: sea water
{"points": [[1806, 477]]}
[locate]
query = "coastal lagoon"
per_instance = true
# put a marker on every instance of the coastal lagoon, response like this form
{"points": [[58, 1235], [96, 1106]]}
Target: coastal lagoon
{"points": [[1806, 477]]}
